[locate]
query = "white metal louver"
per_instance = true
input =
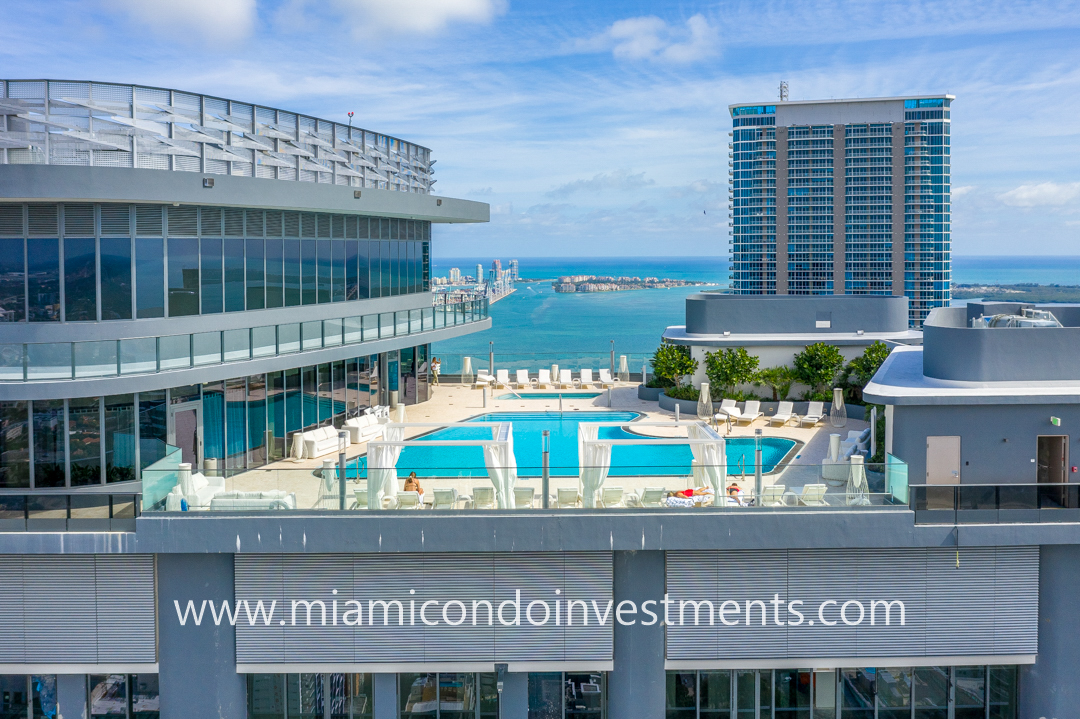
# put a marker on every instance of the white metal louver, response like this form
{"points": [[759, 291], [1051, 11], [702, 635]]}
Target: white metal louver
{"points": [[408, 589]]}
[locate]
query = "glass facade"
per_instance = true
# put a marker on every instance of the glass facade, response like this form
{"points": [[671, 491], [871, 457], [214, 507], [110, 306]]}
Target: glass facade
{"points": [[309, 696], [202, 261], [146, 355], [123, 696], [246, 422], [567, 695], [868, 693], [448, 696], [886, 194], [24, 696]]}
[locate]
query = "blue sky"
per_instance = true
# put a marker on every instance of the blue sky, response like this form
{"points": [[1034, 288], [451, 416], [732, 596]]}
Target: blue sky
{"points": [[600, 129]]}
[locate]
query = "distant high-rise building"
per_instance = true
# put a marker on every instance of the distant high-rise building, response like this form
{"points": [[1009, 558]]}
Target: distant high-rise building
{"points": [[514, 276], [842, 197], [479, 273], [455, 274]]}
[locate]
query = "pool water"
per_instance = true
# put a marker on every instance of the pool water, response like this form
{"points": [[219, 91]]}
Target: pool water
{"points": [[552, 395], [528, 428]]}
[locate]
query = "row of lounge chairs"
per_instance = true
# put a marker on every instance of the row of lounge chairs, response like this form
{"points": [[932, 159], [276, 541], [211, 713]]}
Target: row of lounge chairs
{"points": [[784, 413], [542, 380], [483, 497]]}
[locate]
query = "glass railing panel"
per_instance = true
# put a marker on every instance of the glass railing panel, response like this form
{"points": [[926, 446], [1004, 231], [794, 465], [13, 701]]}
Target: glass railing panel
{"points": [[48, 361], [1058, 496], [353, 330], [95, 359], [11, 362], [175, 352], [138, 355], [976, 497], [386, 324], [159, 478], [237, 345], [311, 335], [1018, 497], [264, 341], [89, 506], [896, 478], [371, 327], [332, 333], [401, 323], [206, 348], [288, 338]]}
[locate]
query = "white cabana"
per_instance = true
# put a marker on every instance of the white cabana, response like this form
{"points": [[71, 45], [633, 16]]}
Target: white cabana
{"points": [[710, 458], [595, 460], [502, 465], [382, 465], [499, 458], [709, 466]]}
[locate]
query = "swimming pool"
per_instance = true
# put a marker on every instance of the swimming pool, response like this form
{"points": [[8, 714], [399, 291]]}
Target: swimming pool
{"points": [[657, 460], [552, 395]]}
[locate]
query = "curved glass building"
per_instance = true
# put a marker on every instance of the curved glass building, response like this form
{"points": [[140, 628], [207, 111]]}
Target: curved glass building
{"points": [[195, 271]]}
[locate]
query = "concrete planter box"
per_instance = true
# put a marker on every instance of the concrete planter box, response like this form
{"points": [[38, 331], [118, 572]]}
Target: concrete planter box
{"points": [[687, 407], [649, 394]]}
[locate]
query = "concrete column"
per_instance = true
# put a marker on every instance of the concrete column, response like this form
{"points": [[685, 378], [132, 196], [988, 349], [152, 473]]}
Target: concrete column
{"points": [[781, 211], [384, 701], [839, 209], [197, 664], [515, 696], [71, 696], [898, 209], [1048, 688], [636, 686]]}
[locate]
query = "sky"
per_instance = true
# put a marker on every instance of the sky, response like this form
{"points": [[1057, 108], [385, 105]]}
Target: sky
{"points": [[600, 128]]}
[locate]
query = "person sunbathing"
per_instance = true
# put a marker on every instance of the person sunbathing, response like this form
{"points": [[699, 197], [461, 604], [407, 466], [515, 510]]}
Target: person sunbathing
{"points": [[412, 484]]}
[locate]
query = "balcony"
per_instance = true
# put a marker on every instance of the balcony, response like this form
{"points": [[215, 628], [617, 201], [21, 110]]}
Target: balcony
{"points": [[90, 510]]}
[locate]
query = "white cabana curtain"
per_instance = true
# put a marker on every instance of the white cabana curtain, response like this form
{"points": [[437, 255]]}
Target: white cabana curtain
{"points": [[710, 459], [594, 463], [382, 467], [502, 465]]}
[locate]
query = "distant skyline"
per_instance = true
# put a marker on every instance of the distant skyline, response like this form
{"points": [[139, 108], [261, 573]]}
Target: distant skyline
{"points": [[601, 129]]}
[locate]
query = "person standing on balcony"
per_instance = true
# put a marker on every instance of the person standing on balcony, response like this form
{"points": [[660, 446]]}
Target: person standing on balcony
{"points": [[436, 365]]}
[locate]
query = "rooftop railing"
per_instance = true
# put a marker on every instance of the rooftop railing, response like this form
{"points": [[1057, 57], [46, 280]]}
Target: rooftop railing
{"points": [[69, 511], [995, 503]]}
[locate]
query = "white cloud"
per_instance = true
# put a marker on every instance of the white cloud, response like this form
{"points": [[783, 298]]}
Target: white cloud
{"points": [[1042, 195], [651, 38], [620, 180], [961, 191], [212, 20], [422, 16]]}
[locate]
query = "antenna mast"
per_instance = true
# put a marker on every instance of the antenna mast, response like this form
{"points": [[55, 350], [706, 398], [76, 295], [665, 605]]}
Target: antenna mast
{"points": [[783, 91]]}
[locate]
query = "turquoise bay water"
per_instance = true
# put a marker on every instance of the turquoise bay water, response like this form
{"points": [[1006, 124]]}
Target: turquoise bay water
{"points": [[535, 326], [528, 428]]}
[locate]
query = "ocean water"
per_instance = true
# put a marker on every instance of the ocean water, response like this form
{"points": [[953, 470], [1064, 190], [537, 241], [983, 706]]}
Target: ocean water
{"points": [[537, 321]]}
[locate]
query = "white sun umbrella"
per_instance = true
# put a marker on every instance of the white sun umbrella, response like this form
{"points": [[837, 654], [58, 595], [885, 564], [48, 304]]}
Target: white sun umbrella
{"points": [[857, 489], [595, 461], [382, 466], [704, 403], [466, 370]]}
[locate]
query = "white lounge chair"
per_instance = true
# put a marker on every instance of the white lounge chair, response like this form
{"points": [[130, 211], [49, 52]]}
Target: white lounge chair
{"points": [[651, 497], [605, 379], [612, 497], [522, 380], [483, 497], [784, 413], [543, 379], [585, 378], [361, 494], [362, 428], [444, 498], [483, 379], [773, 495], [813, 495], [815, 412], [726, 405], [502, 378], [409, 500], [565, 379], [750, 411], [567, 497], [523, 497]]}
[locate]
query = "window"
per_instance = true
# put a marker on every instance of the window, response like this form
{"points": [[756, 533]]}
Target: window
{"points": [[567, 695], [275, 278], [149, 277], [308, 259], [234, 276], [292, 273], [212, 300], [14, 445], [27, 696], [80, 279], [49, 443], [123, 696], [183, 277], [116, 277], [12, 285], [448, 696], [304, 696], [43, 280], [84, 440]]}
